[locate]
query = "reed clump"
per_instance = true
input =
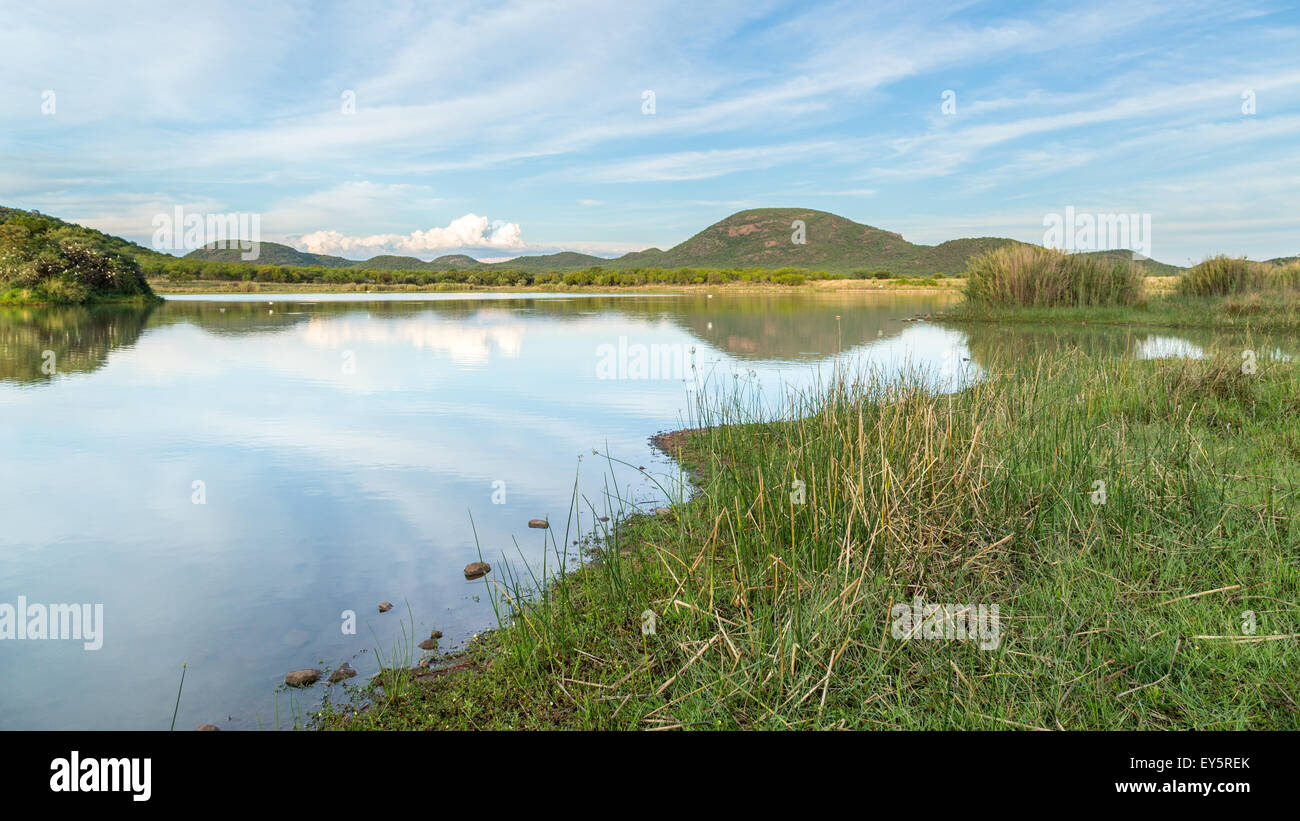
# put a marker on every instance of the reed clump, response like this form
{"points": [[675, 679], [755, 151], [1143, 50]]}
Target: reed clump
{"points": [[1224, 276], [1029, 275]]}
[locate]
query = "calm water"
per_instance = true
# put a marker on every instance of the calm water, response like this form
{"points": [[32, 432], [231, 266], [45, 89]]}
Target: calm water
{"points": [[340, 448]]}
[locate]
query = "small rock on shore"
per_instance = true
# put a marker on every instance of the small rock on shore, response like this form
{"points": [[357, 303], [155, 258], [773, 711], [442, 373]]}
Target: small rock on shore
{"points": [[302, 678]]}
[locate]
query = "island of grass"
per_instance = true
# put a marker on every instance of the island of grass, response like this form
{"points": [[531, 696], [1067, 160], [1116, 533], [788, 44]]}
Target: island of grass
{"points": [[1033, 284], [46, 261], [1133, 522]]}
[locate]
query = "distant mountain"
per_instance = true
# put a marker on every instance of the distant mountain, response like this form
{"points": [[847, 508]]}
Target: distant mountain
{"points": [[1154, 268], [563, 261], [756, 238], [767, 238], [272, 253]]}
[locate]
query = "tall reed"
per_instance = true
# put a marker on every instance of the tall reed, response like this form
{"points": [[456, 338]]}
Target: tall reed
{"points": [[1029, 275]]}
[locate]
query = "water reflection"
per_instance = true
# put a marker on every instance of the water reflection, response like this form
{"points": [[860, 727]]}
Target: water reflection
{"points": [[999, 346], [36, 343]]}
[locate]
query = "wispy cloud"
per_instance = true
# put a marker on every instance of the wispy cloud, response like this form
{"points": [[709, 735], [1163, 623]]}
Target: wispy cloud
{"points": [[360, 127]]}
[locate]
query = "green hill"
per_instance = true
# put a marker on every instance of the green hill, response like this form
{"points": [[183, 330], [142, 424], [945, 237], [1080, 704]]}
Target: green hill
{"points": [[764, 238], [47, 260], [563, 261], [760, 238], [270, 253], [757, 238], [1153, 268]]}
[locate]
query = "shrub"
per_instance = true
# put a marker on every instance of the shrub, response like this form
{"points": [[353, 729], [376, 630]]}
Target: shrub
{"points": [[1220, 276], [64, 263], [1286, 277], [1029, 275]]}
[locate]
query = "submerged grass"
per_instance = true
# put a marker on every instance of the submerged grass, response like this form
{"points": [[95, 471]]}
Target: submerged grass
{"points": [[1135, 522]]}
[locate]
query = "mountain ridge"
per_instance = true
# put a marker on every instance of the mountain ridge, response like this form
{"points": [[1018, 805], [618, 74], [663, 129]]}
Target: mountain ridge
{"points": [[766, 238]]}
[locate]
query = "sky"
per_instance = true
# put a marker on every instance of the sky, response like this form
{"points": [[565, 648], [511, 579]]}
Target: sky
{"points": [[506, 128]]}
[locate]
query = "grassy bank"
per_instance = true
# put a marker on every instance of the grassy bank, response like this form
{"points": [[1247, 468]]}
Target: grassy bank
{"points": [[15, 297], [1245, 312], [1165, 598], [1037, 285]]}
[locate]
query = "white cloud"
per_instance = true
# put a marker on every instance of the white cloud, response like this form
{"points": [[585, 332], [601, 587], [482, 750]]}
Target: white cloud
{"points": [[469, 231]]}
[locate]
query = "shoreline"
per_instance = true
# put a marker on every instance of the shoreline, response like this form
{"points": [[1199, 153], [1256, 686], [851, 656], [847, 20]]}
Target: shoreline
{"points": [[774, 615], [215, 288], [142, 301], [476, 655]]}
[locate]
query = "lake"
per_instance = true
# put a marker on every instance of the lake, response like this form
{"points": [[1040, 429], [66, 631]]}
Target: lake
{"points": [[230, 476]]}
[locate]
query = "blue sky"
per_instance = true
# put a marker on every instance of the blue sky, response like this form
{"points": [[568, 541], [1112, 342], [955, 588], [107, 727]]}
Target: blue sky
{"points": [[501, 128]]}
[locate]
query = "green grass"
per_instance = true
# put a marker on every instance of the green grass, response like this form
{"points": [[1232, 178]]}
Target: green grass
{"points": [[64, 292], [1030, 276], [1241, 312], [1035, 285], [1124, 614], [1230, 276]]}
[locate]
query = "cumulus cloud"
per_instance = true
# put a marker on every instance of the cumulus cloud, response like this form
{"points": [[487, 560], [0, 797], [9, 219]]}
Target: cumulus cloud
{"points": [[468, 232]]}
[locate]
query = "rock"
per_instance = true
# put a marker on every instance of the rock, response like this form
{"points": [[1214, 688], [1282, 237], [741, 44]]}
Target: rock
{"points": [[604, 518], [540, 524], [475, 569], [208, 728], [345, 671], [302, 678], [385, 606], [436, 634], [663, 511], [429, 644]]}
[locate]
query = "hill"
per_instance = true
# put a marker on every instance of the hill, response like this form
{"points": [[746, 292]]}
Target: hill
{"points": [[272, 253], [1153, 268], [47, 260], [766, 238], [757, 238], [762, 238]]}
